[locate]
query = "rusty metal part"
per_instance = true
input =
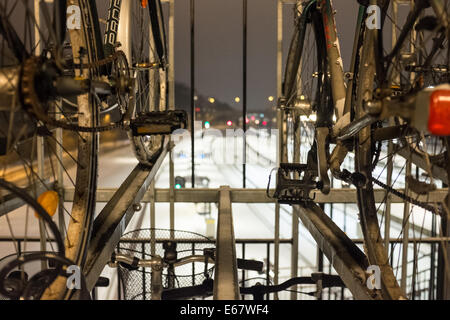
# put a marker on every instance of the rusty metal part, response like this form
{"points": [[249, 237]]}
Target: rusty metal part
{"points": [[337, 158]]}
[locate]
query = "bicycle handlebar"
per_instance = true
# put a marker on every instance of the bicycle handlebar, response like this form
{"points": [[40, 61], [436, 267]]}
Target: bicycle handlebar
{"points": [[258, 291], [262, 289], [203, 290], [132, 262]]}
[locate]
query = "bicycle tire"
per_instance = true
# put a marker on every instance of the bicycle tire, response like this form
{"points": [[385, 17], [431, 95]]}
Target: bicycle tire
{"points": [[368, 78], [151, 85], [306, 81], [83, 209]]}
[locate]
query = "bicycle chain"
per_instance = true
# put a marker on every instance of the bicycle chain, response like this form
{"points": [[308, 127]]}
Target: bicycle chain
{"points": [[32, 104], [407, 198]]}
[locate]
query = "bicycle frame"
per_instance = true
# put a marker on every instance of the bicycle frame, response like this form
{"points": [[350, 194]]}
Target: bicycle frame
{"points": [[342, 93], [334, 57]]}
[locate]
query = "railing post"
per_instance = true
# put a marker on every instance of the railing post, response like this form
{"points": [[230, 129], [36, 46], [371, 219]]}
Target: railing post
{"points": [[406, 213], [243, 271], [171, 80], [268, 269]]}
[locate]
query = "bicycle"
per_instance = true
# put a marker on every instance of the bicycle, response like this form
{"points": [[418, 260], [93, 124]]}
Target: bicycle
{"points": [[375, 109], [60, 76], [170, 261], [257, 291]]}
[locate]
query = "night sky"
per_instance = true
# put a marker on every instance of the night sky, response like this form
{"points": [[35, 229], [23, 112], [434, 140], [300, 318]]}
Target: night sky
{"points": [[219, 46]]}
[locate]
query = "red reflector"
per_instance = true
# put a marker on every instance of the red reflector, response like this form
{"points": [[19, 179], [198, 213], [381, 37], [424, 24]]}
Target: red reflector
{"points": [[144, 3], [439, 117]]}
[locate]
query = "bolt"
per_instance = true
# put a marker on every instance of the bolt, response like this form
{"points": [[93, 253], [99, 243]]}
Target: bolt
{"points": [[137, 207], [374, 107]]}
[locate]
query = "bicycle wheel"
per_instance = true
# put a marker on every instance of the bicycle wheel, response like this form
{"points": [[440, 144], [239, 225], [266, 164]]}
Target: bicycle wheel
{"points": [[147, 55], [44, 53], [409, 67], [306, 89]]}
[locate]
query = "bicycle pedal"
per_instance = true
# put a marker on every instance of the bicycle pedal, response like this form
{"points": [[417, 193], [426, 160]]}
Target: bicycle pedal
{"points": [[158, 123], [294, 183]]}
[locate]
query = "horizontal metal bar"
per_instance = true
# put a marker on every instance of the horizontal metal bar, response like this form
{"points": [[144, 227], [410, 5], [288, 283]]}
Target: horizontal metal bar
{"points": [[347, 259], [238, 241], [257, 196], [115, 216], [201, 240]]}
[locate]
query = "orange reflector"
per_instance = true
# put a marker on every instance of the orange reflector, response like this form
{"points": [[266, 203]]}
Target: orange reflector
{"points": [[439, 117], [49, 201], [144, 3]]}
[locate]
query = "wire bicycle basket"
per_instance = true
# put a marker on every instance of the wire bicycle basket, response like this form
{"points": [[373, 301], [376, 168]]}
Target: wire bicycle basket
{"points": [[136, 284]]}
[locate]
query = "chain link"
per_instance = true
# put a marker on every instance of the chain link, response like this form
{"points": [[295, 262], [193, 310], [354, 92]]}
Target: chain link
{"points": [[407, 198]]}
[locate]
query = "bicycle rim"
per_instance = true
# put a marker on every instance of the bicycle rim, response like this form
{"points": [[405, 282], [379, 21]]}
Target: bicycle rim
{"points": [[306, 88], [83, 209], [146, 46]]}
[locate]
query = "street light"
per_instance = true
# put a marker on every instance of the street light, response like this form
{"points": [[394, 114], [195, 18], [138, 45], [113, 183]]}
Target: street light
{"points": [[271, 98], [211, 100], [237, 99]]}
